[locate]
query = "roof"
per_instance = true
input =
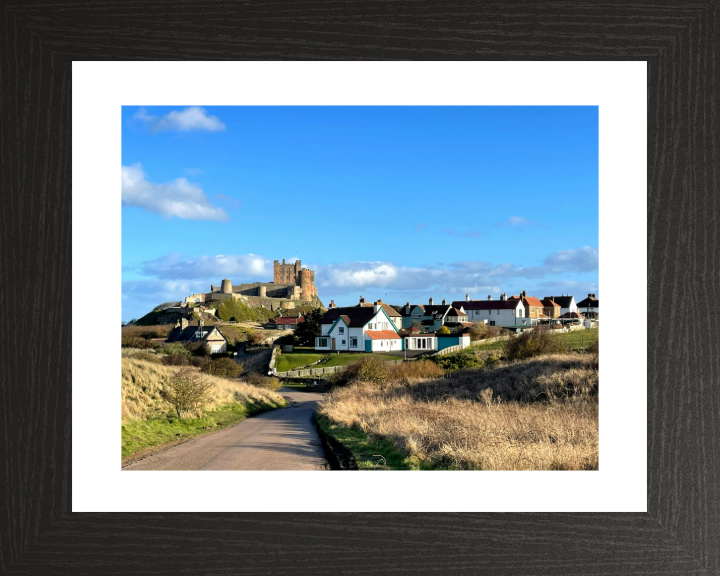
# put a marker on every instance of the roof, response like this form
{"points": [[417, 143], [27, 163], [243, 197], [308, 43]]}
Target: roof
{"points": [[354, 316], [589, 302], [550, 302], [573, 315], [455, 312], [487, 304], [287, 320], [388, 309], [189, 333], [383, 335], [563, 301], [413, 329]]}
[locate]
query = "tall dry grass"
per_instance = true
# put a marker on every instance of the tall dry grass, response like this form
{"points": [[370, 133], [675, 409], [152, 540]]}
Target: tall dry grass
{"points": [[536, 414], [142, 383]]}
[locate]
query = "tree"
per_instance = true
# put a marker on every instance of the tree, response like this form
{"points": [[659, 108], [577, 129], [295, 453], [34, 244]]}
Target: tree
{"points": [[188, 391], [444, 330], [306, 331]]}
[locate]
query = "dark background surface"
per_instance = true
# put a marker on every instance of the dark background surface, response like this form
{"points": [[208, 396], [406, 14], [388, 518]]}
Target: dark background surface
{"points": [[680, 534]]}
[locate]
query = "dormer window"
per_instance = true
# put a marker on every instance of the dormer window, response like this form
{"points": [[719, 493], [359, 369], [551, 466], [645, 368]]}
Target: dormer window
{"points": [[341, 330]]}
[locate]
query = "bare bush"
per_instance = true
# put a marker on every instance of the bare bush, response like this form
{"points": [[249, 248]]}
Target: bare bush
{"points": [[538, 341], [369, 369], [188, 392], [482, 331], [417, 369], [256, 338], [175, 360]]}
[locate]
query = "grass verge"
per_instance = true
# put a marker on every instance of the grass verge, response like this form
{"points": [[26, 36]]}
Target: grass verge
{"points": [[350, 358], [141, 435], [352, 449]]}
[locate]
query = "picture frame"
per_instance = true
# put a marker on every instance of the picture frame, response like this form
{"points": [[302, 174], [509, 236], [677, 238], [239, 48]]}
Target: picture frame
{"points": [[679, 533]]}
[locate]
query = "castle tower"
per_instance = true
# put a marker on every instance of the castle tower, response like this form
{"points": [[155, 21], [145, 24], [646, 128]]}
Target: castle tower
{"points": [[307, 286], [226, 286]]}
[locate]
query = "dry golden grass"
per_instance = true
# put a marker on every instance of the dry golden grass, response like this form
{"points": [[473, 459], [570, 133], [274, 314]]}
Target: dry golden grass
{"points": [[537, 414], [143, 381]]}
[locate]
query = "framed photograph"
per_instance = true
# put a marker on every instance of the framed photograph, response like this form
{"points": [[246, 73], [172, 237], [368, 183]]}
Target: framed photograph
{"points": [[360, 300]]}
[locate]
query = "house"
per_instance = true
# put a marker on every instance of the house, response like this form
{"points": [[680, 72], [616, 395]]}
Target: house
{"points": [[571, 317], [429, 317], [589, 307], [419, 341], [503, 312], [551, 309], [358, 329], [211, 336], [393, 314], [436, 342], [533, 306], [284, 322], [566, 302]]}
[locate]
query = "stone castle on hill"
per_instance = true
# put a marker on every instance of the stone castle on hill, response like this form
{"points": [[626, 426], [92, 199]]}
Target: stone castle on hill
{"points": [[291, 283]]}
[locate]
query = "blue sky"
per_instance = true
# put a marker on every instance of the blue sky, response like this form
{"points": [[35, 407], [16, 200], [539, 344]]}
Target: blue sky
{"points": [[399, 203]]}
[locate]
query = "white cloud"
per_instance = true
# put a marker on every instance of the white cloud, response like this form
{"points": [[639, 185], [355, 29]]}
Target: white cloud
{"points": [[178, 198], [214, 268], [519, 222], [189, 119], [583, 259], [469, 234]]}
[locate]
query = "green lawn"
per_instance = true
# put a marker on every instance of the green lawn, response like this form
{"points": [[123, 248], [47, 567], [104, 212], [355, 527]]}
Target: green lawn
{"points": [[291, 361], [303, 357], [142, 434], [491, 346], [580, 338]]}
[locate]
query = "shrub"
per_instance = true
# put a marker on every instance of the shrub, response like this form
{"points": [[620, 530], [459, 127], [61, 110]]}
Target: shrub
{"points": [[175, 360], [261, 381], [188, 391], [175, 348], [199, 361], [369, 369], [198, 348], [481, 331], [138, 342], [536, 342], [256, 338], [466, 359], [223, 367], [593, 348], [443, 330]]}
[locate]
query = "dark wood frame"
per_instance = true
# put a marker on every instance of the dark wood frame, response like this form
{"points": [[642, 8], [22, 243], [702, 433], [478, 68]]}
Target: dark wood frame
{"points": [[680, 534]]}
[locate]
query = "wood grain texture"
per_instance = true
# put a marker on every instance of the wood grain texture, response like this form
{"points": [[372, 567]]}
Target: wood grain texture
{"points": [[681, 532]]}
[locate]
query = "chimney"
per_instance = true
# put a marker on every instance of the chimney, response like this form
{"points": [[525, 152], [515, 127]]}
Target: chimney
{"points": [[379, 300], [377, 306], [183, 323], [444, 302], [467, 297], [407, 308], [489, 296], [524, 294], [362, 300], [431, 301], [283, 260], [332, 304], [503, 297]]}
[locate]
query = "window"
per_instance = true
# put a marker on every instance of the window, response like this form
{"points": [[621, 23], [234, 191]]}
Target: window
{"points": [[341, 330], [322, 342], [353, 341], [343, 341], [492, 322]]}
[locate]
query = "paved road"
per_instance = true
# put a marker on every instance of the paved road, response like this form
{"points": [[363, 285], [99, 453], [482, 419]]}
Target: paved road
{"points": [[282, 439]]}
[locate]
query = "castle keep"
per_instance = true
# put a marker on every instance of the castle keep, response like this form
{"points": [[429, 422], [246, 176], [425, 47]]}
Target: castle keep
{"points": [[290, 282]]}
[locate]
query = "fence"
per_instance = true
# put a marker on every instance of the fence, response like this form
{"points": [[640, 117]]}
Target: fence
{"points": [[312, 372], [458, 347]]}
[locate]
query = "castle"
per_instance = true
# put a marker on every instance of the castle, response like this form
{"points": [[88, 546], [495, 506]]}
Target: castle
{"points": [[290, 282]]}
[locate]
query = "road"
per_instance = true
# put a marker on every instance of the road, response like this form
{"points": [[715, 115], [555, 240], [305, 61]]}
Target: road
{"points": [[282, 439]]}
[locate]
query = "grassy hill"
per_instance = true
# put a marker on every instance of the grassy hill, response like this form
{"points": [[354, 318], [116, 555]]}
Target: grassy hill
{"points": [[535, 414], [148, 420]]}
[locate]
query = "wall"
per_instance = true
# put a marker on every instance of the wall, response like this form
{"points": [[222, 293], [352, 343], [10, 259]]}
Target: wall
{"points": [[505, 318]]}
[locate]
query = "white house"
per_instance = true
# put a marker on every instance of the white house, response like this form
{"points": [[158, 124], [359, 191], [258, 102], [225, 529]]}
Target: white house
{"points": [[431, 316], [501, 312], [589, 307], [566, 303], [358, 329]]}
